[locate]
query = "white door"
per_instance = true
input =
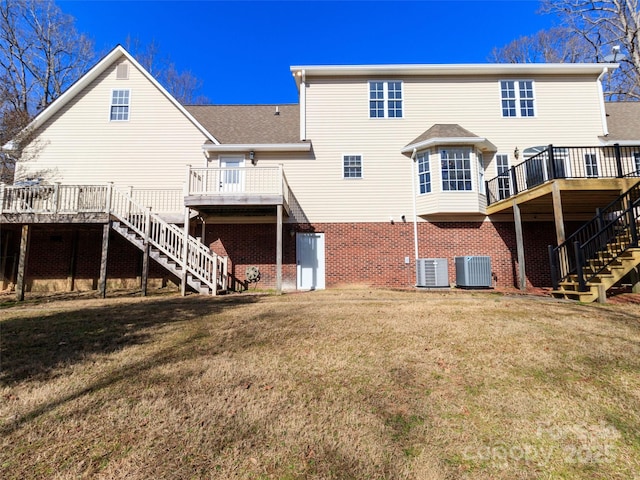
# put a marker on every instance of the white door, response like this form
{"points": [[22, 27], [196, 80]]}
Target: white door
{"points": [[310, 261], [232, 174]]}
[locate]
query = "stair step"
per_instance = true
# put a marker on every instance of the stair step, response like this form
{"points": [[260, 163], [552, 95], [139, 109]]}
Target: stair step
{"points": [[164, 259]]}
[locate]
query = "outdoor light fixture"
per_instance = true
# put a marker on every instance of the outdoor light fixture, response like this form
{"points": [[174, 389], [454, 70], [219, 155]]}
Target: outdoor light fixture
{"points": [[252, 157], [516, 153]]}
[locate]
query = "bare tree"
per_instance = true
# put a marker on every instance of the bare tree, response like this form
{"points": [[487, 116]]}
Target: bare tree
{"points": [[612, 30], [184, 86], [41, 54], [556, 45]]}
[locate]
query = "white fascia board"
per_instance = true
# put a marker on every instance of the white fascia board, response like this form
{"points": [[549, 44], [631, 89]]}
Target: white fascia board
{"points": [[456, 69], [485, 144], [622, 143], [97, 70], [258, 147]]}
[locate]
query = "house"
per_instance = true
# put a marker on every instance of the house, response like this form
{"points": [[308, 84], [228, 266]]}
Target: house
{"points": [[377, 166]]}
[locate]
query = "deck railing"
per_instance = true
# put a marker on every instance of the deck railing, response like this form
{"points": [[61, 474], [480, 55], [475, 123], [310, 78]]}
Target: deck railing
{"points": [[613, 161], [56, 198], [168, 238], [161, 201], [70, 199], [237, 181]]}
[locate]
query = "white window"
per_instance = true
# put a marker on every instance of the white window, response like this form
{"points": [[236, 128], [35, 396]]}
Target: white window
{"points": [[456, 169], [119, 105], [636, 160], [424, 172], [590, 165], [385, 99], [352, 166], [502, 165], [518, 99]]}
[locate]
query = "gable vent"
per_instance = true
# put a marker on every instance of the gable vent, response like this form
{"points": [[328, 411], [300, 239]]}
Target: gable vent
{"points": [[122, 71]]}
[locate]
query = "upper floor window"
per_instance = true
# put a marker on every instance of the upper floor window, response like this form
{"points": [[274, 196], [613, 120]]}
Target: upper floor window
{"points": [[352, 166], [424, 172], [385, 99], [518, 99], [119, 105], [456, 169]]}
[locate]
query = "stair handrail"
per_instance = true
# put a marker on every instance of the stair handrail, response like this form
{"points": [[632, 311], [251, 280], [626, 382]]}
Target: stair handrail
{"points": [[587, 243], [201, 262]]}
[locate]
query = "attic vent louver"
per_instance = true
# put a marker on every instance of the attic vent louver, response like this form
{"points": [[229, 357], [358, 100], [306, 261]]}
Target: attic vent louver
{"points": [[122, 71]]}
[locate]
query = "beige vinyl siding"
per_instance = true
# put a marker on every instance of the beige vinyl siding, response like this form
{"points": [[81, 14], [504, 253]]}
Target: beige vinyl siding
{"points": [[567, 113], [80, 145]]}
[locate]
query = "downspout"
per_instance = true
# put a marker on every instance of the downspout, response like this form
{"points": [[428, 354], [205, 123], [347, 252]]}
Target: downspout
{"points": [[603, 111], [415, 210], [303, 105]]}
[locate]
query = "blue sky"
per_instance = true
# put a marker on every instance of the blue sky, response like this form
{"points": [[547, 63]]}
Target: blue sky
{"points": [[242, 50]]}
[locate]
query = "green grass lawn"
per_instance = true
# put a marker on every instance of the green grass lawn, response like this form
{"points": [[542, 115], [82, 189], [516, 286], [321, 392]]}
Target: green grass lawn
{"points": [[353, 383]]}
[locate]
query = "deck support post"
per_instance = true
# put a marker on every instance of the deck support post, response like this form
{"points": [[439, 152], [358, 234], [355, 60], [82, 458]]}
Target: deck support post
{"points": [[71, 277], [145, 253], [185, 252], [22, 262], [102, 283], [634, 276], [558, 215], [279, 250], [4, 244], [517, 219]]}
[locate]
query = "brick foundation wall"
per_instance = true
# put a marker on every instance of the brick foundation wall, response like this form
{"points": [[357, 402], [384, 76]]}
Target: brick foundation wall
{"points": [[355, 253], [374, 253]]}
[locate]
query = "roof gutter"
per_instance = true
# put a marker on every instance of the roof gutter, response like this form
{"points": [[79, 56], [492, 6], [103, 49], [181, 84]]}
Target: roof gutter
{"points": [[258, 147], [483, 143], [622, 143]]}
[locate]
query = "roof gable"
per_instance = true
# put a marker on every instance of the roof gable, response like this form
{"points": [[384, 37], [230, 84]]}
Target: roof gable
{"points": [[447, 134], [93, 74]]}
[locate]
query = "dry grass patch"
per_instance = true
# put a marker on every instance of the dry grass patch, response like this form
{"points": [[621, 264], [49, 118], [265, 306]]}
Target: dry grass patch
{"points": [[337, 384]]}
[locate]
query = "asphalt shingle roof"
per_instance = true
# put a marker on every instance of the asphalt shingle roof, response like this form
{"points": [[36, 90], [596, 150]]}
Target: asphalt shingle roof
{"points": [[623, 120], [444, 130], [249, 124]]}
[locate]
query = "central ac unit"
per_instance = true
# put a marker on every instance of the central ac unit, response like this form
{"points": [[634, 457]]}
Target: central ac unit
{"points": [[432, 272], [473, 271]]}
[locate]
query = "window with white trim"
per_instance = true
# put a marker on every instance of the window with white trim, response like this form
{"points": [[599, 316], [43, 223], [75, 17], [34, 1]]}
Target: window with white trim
{"points": [[502, 166], [424, 172], [352, 166], [636, 160], [385, 99], [456, 169], [590, 165], [518, 98], [119, 105]]}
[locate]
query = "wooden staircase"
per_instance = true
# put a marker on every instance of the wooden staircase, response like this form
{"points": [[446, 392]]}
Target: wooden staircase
{"points": [[617, 268], [180, 254], [168, 263], [601, 253]]}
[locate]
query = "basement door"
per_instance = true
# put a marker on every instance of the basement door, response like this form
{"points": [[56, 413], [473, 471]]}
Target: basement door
{"points": [[310, 261]]}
